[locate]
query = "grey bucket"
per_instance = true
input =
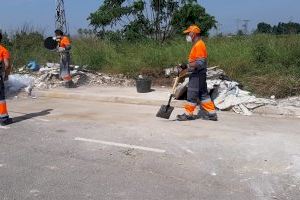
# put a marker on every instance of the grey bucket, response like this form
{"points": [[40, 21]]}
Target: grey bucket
{"points": [[143, 85]]}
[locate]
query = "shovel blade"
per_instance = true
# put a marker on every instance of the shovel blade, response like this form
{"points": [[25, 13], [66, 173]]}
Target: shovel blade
{"points": [[165, 112]]}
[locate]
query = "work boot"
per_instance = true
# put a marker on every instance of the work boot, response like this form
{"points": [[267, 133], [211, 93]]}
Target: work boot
{"points": [[206, 116], [185, 117], [5, 122]]}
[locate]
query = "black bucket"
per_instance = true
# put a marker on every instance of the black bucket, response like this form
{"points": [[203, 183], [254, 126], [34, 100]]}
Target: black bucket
{"points": [[143, 85]]}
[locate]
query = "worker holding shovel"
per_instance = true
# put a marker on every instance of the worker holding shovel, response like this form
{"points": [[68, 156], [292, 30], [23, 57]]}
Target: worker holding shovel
{"points": [[5, 69], [64, 47], [197, 93]]}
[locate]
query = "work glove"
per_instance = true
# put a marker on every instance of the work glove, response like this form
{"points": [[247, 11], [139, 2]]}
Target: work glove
{"points": [[183, 66], [61, 49]]}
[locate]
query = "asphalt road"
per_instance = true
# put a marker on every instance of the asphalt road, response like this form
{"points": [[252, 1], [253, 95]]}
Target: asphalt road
{"points": [[81, 150]]}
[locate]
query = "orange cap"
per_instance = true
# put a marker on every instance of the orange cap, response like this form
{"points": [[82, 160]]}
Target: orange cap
{"points": [[193, 29]]}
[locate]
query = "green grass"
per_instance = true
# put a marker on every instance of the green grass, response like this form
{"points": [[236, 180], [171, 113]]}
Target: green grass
{"points": [[265, 64]]}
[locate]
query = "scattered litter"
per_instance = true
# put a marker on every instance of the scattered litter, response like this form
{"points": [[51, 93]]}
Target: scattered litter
{"points": [[140, 77], [291, 101], [33, 66]]}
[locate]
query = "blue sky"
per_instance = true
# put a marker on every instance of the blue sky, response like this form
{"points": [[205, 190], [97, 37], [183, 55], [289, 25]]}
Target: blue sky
{"points": [[40, 13]]}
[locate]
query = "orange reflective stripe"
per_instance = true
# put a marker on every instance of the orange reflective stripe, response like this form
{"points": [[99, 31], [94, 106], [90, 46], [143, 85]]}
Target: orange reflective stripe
{"points": [[3, 109], [67, 78], [208, 106], [189, 108]]}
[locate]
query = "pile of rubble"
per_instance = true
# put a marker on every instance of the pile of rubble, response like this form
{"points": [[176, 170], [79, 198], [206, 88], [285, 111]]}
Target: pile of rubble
{"points": [[47, 77], [227, 94]]}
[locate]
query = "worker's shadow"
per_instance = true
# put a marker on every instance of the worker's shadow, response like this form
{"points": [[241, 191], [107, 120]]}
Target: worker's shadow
{"points": [[31, 116]]}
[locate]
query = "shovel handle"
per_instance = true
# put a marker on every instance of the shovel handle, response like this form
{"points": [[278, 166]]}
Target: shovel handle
{"points": [[173, 91], [169, 102], [175, 84]]}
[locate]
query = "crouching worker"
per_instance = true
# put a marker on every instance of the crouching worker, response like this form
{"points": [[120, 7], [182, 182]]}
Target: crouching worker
{"points": [[197, 93], [64, 47], [5, 69]]}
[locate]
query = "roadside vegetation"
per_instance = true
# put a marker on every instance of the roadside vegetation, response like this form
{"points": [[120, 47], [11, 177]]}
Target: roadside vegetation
{"points": [[265, 64], [143, 37]]}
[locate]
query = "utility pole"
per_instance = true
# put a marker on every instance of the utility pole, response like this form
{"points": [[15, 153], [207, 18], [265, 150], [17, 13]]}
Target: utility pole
{"points": [[238, 25], [60, 17], [218, 28], [245, 26]]}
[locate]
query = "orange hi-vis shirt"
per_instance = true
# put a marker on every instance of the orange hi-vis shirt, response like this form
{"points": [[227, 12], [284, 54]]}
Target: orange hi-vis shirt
{"points": [[198, 51], [4, 53], [64, 42]]}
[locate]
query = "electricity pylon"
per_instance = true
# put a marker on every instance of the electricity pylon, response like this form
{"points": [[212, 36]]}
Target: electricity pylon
{"points": [[60, 17]]}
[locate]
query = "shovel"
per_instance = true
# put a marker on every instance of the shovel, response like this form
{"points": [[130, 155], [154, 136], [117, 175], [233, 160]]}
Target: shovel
{"points": [[165, 111]]}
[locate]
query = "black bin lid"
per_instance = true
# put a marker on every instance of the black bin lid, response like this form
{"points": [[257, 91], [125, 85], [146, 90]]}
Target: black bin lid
{"points": [[50, 44]]}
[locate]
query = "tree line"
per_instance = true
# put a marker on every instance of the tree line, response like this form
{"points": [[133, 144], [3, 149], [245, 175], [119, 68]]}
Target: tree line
{"points": [[280, 29]]}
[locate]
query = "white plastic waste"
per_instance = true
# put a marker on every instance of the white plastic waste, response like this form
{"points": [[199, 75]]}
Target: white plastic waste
{"points": [[17, 82], [52, 65], [228, 96]]}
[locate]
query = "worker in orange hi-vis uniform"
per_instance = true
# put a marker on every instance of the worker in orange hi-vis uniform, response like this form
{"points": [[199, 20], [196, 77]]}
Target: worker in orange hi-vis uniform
{"points": [[64, 47], [5, 69], [197, 93]]}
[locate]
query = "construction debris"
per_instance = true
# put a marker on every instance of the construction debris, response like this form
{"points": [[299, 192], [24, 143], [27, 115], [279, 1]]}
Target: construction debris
{"points": [[291, 101], [226, 93], [47, 77]]}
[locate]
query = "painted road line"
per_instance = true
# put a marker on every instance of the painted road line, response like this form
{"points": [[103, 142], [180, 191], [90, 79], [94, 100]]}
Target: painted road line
{"points": [[121, 145]]}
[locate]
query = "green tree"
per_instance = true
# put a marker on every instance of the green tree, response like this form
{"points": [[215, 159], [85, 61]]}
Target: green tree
{"points": [[264, 28], [287, 28], [193, 13], [156, 19]]}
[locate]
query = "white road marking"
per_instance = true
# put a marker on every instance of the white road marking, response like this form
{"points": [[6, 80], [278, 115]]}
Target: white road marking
{"points": [[121, 145], [4, 127]]}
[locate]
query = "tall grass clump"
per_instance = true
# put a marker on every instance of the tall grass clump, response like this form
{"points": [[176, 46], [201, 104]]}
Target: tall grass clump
{"points": [[26, 44], [265, 64]]}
